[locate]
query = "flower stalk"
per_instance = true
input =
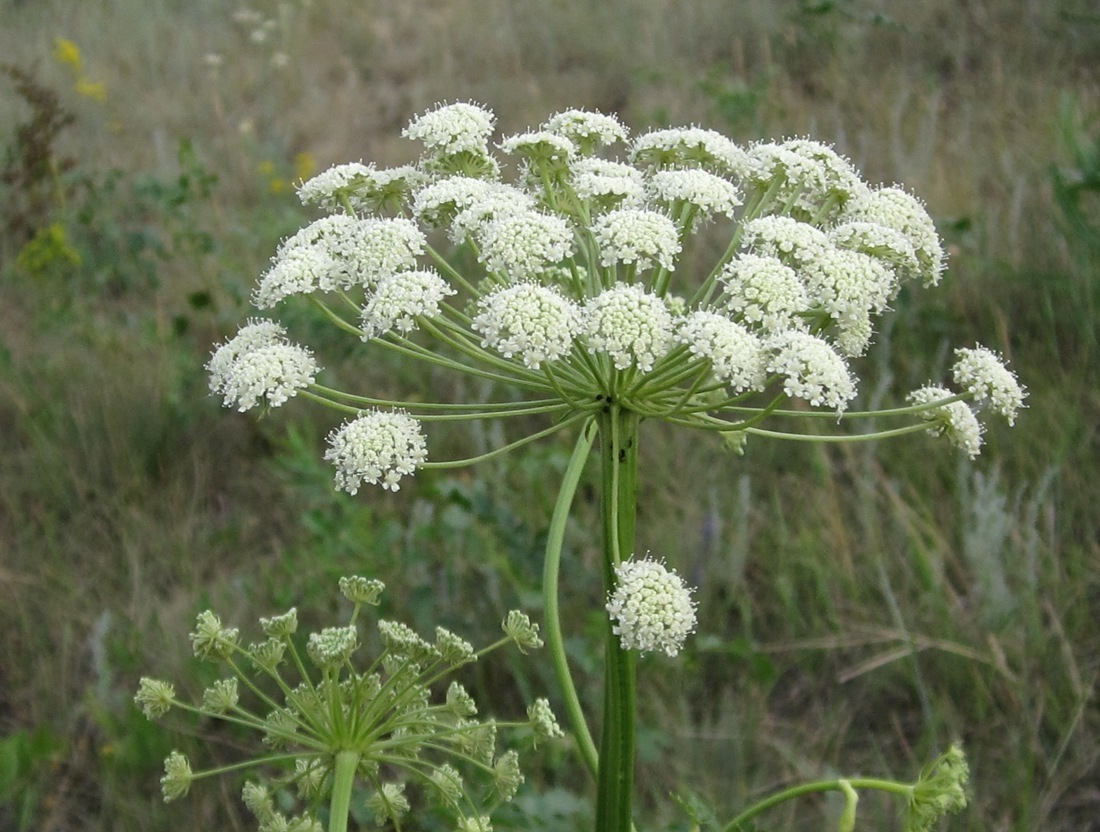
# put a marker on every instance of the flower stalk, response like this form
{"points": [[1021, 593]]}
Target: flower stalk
{"points": [[618, 501]]}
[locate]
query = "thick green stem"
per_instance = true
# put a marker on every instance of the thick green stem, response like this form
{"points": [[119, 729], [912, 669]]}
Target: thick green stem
{"points": [[343, 776], [619, 459], [551, 568]]}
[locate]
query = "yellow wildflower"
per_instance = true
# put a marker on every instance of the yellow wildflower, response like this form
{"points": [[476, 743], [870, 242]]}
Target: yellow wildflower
{"points": [[94, 90], [67, 52]]}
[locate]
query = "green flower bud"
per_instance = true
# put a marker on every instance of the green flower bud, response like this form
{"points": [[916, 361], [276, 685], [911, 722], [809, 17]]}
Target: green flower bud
{"points": [[280, 729], [332, 646], [257, 799], [448, 786], [404, 642], [221, 696], [479, 823], [518, 627], [281, 625], [267, 655], [941, 789], [310, 776], [389, 803], [459, 702], [177, 778], [543, 722], [304, 823], [276, 823], [155, 697], [478, 740], [506, 775], [454, 650], [211, 639], [362, 590]]}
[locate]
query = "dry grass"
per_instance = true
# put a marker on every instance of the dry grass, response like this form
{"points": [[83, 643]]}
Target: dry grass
{"points": [[860, 608]]}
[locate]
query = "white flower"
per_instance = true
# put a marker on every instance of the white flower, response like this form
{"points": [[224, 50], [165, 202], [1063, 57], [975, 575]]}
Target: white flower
{"points": [[297, 270], [400, 298], [365, 187], [982, 372], [453, 128], [541, 145], [814, 370], [651, 607], [735, 353], [524, 243], [326, 188], [810, 173], [792, 241], [850, 286], [636, 237], [587, 130], [275, 373], [709, 193], [900, 210], [376, 249], [887, 244], [378, 447], [631, 325], [692, 147], [257, 333], [436, 204], [610, 184], [340, 251], [535, 322], [497, 201], [956, 420], [844, 282], [764, 292]]}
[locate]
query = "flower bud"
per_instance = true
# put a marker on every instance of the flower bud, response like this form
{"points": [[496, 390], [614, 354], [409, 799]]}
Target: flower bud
{"points": [[281, 625], [155, 697], [543, 722], [221, 696], [177, 778], [360, 590], [525, 633], [211, 639]]}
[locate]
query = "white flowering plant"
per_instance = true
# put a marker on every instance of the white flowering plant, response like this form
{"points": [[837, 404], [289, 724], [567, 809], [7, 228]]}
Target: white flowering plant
{"points": [[583, 310]]}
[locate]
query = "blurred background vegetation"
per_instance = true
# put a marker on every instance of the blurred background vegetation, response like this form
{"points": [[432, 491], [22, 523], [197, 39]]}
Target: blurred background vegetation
{"points": [[860, 607]]}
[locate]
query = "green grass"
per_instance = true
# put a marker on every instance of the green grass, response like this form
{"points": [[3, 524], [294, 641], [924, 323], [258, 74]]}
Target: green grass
{"points": [[859, 608]]}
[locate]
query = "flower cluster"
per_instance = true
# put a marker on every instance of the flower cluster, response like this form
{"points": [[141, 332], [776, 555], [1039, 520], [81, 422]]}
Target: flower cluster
{"points": [[394, 727], [651, 607], [575, 291]]}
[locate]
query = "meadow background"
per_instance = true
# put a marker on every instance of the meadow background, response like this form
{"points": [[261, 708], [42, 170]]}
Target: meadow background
{"points": [[861, 607]]}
